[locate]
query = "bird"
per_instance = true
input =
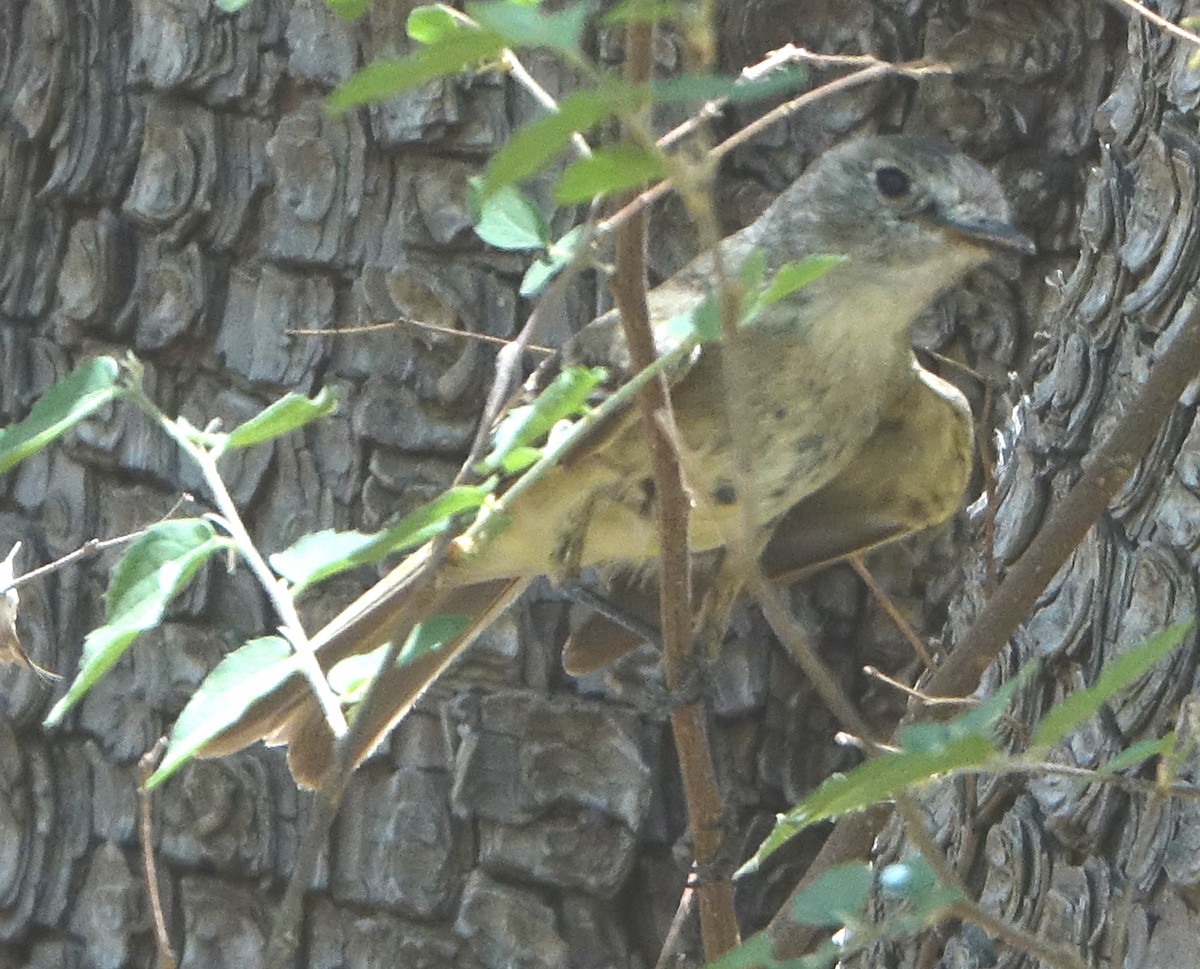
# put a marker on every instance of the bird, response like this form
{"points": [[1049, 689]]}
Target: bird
{"points": [[843, 432]]}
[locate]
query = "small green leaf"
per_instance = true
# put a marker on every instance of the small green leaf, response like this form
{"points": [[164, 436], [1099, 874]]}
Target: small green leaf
{"points": [[88, 387], [566, 396], [796, 275], [349, 9], [428, 25], [532, 147], [321, 555], [704, 321], [154, 569], [835, 897], [383, 79], [1081, 705], [879, 779], [525, 26], [290, 412], [246, 675], [508, 220], [613, 168], [350, 677], [560, 253], [1134, 754], [232, 6]]}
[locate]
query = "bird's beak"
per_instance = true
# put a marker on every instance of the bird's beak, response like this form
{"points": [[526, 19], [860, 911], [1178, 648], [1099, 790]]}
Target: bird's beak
{"points": [[992, 233]]}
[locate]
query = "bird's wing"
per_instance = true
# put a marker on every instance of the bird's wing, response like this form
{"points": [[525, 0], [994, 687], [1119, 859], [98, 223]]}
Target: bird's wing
{"points": [[910, 475], [289, 714]]}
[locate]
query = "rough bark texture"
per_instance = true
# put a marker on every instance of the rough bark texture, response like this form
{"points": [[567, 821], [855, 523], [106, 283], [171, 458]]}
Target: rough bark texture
{"points": [[169, 183]]}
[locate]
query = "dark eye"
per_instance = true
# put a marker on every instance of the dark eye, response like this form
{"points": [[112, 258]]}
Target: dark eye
{"points": [[891, 182]]}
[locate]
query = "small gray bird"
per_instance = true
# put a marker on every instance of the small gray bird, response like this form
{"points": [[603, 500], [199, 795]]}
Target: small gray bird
{"points": [[843, 425]]}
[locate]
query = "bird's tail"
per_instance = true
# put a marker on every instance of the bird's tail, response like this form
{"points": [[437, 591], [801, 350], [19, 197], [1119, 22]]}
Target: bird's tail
{"points": [[290, 715], [305, 731]]}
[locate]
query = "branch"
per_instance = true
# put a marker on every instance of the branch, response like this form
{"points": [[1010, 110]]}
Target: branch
{"points": [[718, 921]]}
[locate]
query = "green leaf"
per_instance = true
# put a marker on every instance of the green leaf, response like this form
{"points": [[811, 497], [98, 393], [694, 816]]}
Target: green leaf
{"points": [[350, 677], [613, 168], [1081, 705], [349, 9], [246, 675], [290, 412], [566, 396], [532, 147], [526, 26], [383, 79], [551, 264], [796, 275], [835, 897], [428, 25], [879, 779], [978, 721], [321, 555], [88, 387], [701, 323], [1133, 754], [154, 569], [508, 220], [232, 6]]}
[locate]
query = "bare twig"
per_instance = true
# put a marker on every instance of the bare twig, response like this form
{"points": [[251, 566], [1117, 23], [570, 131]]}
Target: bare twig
{"points": [[162, 939], [718, 922], [877, 674], [1159, 21], [788, 632], [417, 324], [893, 613]]}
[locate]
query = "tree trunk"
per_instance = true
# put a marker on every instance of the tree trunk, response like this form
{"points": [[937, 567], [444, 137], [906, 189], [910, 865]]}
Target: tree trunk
{"points": [[170, 184]]}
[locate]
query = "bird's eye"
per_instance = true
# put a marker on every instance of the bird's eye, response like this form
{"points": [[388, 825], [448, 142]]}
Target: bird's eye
{"points": [[892, 182]]}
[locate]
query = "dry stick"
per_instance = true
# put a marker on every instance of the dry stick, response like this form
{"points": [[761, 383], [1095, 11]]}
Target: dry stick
{"points": [[162, 940], [1112, 464], [1162, 23], [718, 921], [891, 610]]}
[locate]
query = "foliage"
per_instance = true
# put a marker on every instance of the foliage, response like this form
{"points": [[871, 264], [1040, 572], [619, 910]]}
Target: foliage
{"points": [[162, 562]]}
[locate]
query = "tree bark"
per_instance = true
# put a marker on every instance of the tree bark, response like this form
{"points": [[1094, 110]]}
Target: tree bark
{"points": [[170, 184]]}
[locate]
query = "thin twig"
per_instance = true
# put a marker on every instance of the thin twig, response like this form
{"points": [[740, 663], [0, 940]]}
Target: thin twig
{"points": [[508, 360], [788, 632], [420, 325], [291, 627], [877, 674], [1110, 466], [1162, 23], [893, 613], [92, 546], [718, 921], [162, 938]]}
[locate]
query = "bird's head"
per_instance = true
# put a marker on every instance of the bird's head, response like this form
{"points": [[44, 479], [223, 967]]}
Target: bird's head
{"points": [[903, 202]]}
